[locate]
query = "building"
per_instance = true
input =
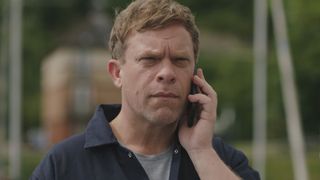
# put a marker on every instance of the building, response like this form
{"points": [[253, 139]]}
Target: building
{"points": [[75, 79]]}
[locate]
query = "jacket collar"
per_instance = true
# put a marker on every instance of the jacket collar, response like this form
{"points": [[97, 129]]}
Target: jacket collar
{"points": [[98, 131]]}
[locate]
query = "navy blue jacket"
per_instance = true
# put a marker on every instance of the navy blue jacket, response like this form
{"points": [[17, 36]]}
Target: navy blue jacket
{"points": [[97, 155]]}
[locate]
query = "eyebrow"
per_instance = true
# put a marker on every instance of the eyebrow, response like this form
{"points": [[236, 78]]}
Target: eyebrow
{"points": [[181, 53], [151, 53]]}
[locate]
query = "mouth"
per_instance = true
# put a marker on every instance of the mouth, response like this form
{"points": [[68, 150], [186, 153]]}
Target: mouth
{"points": [[165, 95]]}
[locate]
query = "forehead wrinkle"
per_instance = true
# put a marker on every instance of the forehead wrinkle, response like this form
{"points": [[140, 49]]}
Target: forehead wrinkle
{"points": [[176, 50], [160, 44], [147, 46]]}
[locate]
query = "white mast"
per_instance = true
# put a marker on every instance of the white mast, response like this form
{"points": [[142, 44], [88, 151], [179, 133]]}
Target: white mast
{"points": [[260, 86], [15, 82], [289, 93]]}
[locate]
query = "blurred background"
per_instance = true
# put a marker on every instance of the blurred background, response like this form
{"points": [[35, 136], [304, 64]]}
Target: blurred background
{"points": [[63, 52]]}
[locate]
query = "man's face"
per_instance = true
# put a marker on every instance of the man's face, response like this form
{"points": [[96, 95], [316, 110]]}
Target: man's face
{"points": [[156, 75]]}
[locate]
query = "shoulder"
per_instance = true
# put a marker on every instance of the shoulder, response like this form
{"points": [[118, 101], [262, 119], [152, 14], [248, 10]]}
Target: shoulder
{"points": [[235, 159], [68, 149], [226, 152], [71, 145], [59, 157]]}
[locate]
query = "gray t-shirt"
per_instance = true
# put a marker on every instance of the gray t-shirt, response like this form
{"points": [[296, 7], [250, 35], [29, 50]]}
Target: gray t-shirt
{"points": [[157, 166]]}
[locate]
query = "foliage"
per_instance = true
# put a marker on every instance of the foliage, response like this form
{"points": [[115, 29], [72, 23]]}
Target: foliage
{"points": [[305, 39], [45, 24]]}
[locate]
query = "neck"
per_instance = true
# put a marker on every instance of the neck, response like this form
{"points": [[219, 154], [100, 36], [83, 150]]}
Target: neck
{"points": [[141, 136]]}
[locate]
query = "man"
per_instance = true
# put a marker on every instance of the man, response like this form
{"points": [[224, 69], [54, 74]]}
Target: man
{"points": [[154, 46]]}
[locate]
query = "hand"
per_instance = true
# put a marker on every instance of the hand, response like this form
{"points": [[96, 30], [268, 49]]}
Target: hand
{"points": [[197, 140], [199, 136]]}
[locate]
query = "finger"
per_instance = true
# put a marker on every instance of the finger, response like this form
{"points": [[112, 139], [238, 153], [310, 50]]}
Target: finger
{"points": [[206, 103], [204, 86], [200, 73], [199, 98]]}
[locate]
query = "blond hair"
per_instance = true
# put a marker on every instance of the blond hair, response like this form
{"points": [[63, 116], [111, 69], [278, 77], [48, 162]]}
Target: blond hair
{"points": [[143, 15]]}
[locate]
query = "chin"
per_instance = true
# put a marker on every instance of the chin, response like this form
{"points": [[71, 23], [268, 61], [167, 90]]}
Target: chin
{"points": [[164, 116]]}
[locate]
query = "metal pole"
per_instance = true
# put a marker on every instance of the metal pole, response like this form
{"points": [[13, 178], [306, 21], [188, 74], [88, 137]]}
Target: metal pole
{"points": [[15, 82], [289, 93], [3, 85], [259, 86]]}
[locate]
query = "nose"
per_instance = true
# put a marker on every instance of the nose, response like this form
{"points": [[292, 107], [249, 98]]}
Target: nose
{"points": [[166, 73]]}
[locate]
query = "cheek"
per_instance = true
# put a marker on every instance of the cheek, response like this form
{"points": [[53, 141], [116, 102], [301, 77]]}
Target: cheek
{"points": [[135, 86], [186, 83]]}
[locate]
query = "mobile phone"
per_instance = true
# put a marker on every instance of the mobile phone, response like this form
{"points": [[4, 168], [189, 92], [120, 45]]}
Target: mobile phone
{"points": [[192, 108]]}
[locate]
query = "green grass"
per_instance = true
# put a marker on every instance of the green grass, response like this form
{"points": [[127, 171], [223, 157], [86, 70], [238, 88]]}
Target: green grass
{"points": [[279, 164], [30, 159]]}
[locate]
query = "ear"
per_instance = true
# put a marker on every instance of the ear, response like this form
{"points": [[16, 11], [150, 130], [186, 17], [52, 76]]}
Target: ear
{"points": [[114, 69]]}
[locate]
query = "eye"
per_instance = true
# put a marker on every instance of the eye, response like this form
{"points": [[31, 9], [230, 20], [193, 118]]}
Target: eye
{"points": [[181, 61], [148, 60]]}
